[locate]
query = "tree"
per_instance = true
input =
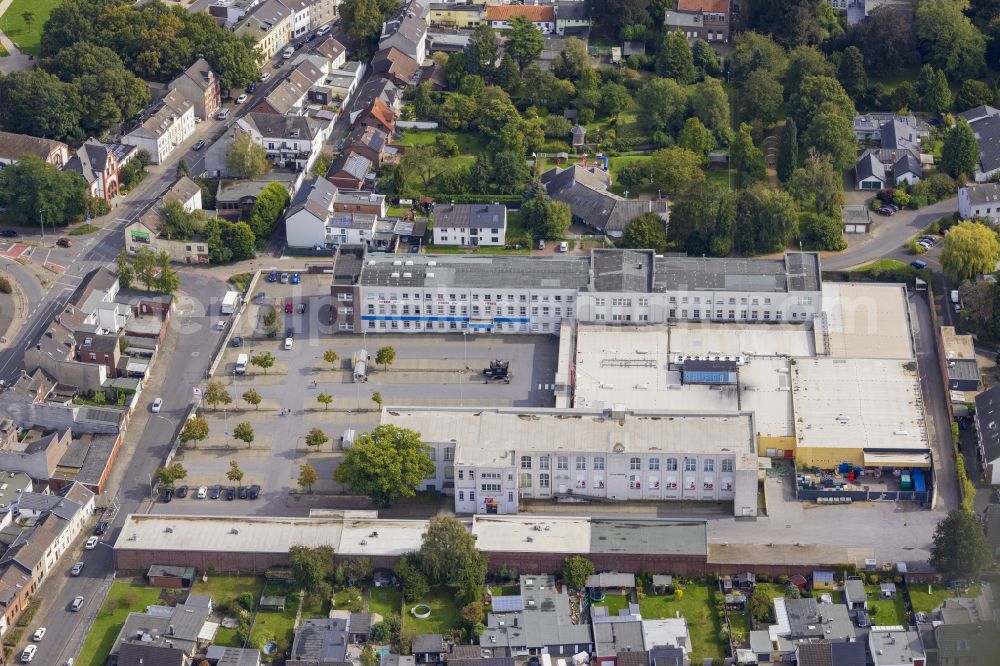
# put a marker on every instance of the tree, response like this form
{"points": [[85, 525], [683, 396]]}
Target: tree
{"points": [[974, 93], [324, 399], [672, 167], [696, 138], [904, 96], [322, 164], [646, 231], [167, 281], [316, 438], [575, 571], [947, 38], [307, 477], [760, 605], [960, 152], [662, 104], [791, 22], [710, 105], [195, 430], [482, 51], [612, 17], [170, 474], [788, 151], [760, 97], [887, 39], [615, 99], [368, 655], [805, 61], [960, 547], [411, 576], [244, 432], [524, 41], [377, 398], [446, 146], [970, 249], [932, 86], [251, 397], [310, 566], [387, 464], [852, 72], [123, 267], [39, 104], [821, 232], [245, 158], [361, 19], [385, 356], [702, 219], [675, 60], [544, 217], [746, 159], [235, 474], [574, 61], [28, 17], [36, 192], [817, 186], [815, 92], [830, 133], [216, 394], [471, 614], [267, 209], [263, 360], [705, 60], [766, 220], [448, 553], [423, 161]]}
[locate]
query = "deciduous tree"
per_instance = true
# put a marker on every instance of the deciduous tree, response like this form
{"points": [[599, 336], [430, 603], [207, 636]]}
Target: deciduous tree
{"points": [[702, 220], [960, 152], [575, 571], [36, 192], [788, 151], [385, 356], [751, 51], [524, 41], [448, 553], [244, 432], [791, 22], [646, 231], [662, 104], [387, 464], [245, 158], [170, 474], [746, 159], [887, 39], [675, 60], [947, 38], [817, 186], [310, 566], [263, 360], [543, 217], [316, 438], [251, 397], [672, 167], [852, 73], [832, 134], [960, 548], [970, 249], [37, 103], [974, 93], [195, 430], [766, 220], [710, 105], [216, 394], [932, 86], [760, 97], [697, 138], [307, 477]]}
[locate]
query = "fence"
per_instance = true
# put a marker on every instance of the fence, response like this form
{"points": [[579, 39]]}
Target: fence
{"points": [[831, 496]]}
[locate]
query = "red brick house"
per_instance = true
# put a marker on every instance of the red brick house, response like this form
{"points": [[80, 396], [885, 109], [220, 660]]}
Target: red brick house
{"points": [[348, 171], [200, 84], [378, 114], [99, 164], [367, 141]]}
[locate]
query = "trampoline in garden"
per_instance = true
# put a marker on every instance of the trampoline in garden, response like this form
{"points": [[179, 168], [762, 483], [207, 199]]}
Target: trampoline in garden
{"points": [[597, 596], [421, 611], [270, 648]]}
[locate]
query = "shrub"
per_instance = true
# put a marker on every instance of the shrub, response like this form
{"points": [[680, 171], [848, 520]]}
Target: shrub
{"points": [[245, 600], [5, 285]]}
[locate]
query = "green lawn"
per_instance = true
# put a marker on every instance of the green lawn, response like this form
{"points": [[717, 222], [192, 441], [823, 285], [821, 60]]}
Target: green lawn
{"points": [[122, 599], [469, 143], [924, 601], [28, 39], [718, 177], [614, 602], [889, 82], [444, 613], [885, 612], [277, 626], [225, 589], [697, 606], [384, 600]]}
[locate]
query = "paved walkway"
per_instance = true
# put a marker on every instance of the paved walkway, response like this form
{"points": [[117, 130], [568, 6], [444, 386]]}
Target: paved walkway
{"points": [[16, 61]]}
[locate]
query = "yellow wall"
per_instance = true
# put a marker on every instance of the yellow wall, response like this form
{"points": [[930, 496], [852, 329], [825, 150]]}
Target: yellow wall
{"points": [[457, 18], [828, 457]]}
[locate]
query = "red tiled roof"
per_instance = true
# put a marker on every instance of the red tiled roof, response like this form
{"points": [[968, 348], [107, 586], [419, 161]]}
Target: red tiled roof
{"points": [[383, 113], [708, 6], [534, 13]]}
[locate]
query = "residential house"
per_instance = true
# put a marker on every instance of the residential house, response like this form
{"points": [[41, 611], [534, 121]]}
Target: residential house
{"points": [[899, 136], [99, 164], [400, 68], [291, 95], [822, 580], [170, 126], [470, 224], [186, 192], [269, 24], [960, 357], [309, 212], [300, 16], [293, 142], [334, 52], [220, 655], [235, 198], [854, 594], [369, 142], [801, 621], [895, 647], [143, 654], [322, 12], [572, 19], [615, 633], [988, 430], [460, 15], [353, 201], [700, 19], [186, 627], [435, 76], [907, 169], [339, 85], [378, 114], [428, 649], [979, 200], [320, 642], [868, 126], [542, 17], [408, 34], [200, 84], [830, 653], [349, 171], [12, 486], [671, 632], [966, 644], [375, 88], [985, 123], [229, 12], [869, 172], [585, 189], [144, 232], [13, 146], [36, 454]]}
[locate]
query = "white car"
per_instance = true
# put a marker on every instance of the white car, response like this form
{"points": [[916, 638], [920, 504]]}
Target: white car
{"points": [[28, 654], [564, 247], [322, 31], [157, 405], [242, 98], [77, 604], [265, 76], [288, 343], [39, 634], [91, 543], [221, 326], [202, 492]]}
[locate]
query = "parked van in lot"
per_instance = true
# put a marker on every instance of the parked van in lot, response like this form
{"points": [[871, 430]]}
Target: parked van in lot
{"points": [[241, 364], [360, 365]]}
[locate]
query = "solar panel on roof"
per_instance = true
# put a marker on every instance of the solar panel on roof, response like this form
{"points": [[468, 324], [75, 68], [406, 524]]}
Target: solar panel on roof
{"points": [[508, 603]]}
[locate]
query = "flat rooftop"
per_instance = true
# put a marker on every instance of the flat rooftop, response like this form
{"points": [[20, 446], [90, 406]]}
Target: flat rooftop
{"points": [[487, 437], [858, 403], [866, 321], [383, 537], [577, 534], [796, 271], [470, 271], [733, 339], [957, 346]]}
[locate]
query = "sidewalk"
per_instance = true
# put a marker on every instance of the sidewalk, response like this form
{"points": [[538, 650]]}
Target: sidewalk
{"points": [[16, 61]]}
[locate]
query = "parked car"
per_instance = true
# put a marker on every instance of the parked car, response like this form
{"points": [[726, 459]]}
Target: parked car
{"points": [[39, 634], [288, 307], [888, 212], [322, 31], [564, 247], [91, 543], [251, 88], [861, 619], [242, 98], [290, 332], [893, 207], [237, 341], [541, 244], [288, 344], [28, 654], [243, 492], [157, 405], [182, 492], [200, 144], [265, 76], [259, 298], [215, 492], [202, 492], [919, 264], [302, 308], [230, 493], [254, 491], [296, 278], [222, 114], [272, 276], [168, 494], [76, 570], [102, 527], [284, 278], [77, 604], [220, 326], [8, 233], [64, 242]]}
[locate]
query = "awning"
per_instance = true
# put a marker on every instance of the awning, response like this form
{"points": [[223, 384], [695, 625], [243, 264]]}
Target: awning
{"points": [[897, 459]]}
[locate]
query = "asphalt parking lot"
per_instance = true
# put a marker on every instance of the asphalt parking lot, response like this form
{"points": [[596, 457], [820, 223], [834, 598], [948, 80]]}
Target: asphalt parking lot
{"points": [[428, 370]]}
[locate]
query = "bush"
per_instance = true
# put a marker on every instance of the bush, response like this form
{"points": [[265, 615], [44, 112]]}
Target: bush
{"points": [[5, 286], [29, 612], [245, 601]]}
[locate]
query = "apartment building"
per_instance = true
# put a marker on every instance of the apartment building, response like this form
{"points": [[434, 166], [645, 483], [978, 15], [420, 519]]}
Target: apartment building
{"points": [[269, 24], [170, 126], [290, 141]]}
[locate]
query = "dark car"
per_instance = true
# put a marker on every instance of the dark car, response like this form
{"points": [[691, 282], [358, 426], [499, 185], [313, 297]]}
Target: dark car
{"points": [[290, 332], [272, 276], [8, 233], [888, 212], [251, 88], [200, 144], [102, 527], [277, 65], [919, 264], [182, 492], [168, 494], [302, 308], [254, 491], [215, 491], [231, 493], [237, 341], [862, 619], [243, 492], [259, 298]]}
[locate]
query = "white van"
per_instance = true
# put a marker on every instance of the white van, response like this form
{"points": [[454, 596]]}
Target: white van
{"points": [[288, 344], [241, 364], [288, 52], [322, 31], [222, 114]]}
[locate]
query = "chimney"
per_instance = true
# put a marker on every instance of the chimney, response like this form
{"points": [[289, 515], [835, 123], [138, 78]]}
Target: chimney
{"points": [[170, 630]]}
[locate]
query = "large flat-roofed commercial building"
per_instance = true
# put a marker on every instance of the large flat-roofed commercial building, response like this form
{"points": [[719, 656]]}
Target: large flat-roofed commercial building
{"points": [[504, 455], [512, 294]]}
